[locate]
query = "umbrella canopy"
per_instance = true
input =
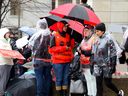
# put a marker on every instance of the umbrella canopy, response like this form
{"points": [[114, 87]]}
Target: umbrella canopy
{"points": [[28, 30], [75, 25], [76, 12], [20, 43], [21, 87], [75, 30], [52, 19]]}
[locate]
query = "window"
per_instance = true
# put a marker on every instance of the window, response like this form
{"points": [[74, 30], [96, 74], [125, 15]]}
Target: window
{"points": [[14, 5], [77, 1], [64, 1], [53, 4]]}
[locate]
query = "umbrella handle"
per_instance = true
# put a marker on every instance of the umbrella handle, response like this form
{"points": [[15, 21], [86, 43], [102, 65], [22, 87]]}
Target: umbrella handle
{"points": [[72, 32]]}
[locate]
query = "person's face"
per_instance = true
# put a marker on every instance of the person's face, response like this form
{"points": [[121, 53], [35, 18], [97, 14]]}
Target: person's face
{"points": [[99, 33], [7, 35], [12, 35], [86, 32], [65, 27]]}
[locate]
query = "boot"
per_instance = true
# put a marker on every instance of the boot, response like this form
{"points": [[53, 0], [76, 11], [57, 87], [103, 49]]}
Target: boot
{"points": [[65, 93], [59, 93]]}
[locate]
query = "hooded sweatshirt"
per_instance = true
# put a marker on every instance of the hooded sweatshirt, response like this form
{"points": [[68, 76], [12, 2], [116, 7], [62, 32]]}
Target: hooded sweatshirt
{"points": [[4, 44]]}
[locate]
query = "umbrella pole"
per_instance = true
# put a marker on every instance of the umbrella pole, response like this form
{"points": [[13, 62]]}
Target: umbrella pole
{"points": [[72, 32]]}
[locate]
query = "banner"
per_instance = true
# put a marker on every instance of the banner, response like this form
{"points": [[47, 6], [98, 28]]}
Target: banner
{"points": [[11, 54]]}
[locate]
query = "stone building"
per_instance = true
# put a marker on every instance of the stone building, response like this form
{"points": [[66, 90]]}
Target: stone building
{"points": [[109, 11]]}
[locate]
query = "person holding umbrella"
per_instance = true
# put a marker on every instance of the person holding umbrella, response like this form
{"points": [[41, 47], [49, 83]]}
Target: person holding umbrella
{"points": [[61, 45], [104, 60], [85, 53]]}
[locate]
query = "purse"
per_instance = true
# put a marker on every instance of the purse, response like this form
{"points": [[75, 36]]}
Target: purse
{"points": [[77, 86]]}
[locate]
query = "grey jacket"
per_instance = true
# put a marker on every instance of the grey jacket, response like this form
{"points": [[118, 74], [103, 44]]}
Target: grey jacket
{"points": [[103, 50]]}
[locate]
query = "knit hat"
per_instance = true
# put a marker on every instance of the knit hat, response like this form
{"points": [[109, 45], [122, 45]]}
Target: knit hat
{"points": [[101, 27]]}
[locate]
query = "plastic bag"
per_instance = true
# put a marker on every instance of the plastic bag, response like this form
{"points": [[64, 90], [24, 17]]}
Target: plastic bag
{"points": [[76, 86]]}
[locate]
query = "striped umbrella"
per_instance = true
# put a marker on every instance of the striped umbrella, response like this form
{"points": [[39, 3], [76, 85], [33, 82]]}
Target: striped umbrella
{"points": [[76, 28], [76, 12]]}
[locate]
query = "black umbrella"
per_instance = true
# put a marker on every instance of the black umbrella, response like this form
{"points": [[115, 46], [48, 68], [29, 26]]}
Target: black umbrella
{"points": [[76, 12], [75, 32]]}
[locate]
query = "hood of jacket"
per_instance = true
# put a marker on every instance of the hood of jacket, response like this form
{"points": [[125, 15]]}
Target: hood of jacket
{"points": [[3, 31], [41, 24], [42, 27], [41, 31]]}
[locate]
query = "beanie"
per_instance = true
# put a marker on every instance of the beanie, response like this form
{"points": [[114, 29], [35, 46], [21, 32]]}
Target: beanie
{"points": [[101, 27]]}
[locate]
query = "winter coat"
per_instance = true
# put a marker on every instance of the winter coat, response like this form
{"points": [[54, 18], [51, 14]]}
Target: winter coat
{"points": [[118, 48], [58, 48], [104, 59], [5, 44]]}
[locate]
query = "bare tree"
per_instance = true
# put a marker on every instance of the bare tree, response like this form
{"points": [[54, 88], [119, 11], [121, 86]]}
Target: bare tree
{"points": [[3, 9], [7, 5]]}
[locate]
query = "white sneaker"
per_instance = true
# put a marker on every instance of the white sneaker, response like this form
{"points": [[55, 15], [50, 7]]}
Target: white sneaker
{"points": [[121, 93]]}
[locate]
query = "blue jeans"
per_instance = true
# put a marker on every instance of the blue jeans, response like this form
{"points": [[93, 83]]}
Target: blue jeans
{"points": [[43, 80], [62, 74]]}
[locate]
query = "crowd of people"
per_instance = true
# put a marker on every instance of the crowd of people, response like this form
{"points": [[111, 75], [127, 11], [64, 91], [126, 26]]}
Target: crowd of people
{"points": [[53, 51]]}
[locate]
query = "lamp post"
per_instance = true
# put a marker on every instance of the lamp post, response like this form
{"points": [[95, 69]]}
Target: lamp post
{"points": [[19, 10]]}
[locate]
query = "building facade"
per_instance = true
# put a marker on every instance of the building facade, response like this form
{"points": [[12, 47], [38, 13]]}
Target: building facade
{"points": [[27, 14], [109, 11], [112, 11]]}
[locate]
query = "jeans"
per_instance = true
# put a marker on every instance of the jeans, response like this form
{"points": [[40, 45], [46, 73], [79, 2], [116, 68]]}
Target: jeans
{"points": [[43, 80], [62, 74]]}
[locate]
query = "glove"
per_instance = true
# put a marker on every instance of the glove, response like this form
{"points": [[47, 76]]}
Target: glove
{"points": [[86, 53], [20, 61]]}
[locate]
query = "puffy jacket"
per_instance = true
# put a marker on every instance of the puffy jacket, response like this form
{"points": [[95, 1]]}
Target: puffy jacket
{"points": [[59, 51]]}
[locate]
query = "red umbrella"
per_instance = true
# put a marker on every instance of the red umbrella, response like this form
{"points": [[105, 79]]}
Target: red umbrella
{"points": [[77, 12], [75, 25], [75, 29]]}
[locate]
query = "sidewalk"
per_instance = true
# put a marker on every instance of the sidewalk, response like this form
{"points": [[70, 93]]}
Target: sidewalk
{"points": [[121, 83]]}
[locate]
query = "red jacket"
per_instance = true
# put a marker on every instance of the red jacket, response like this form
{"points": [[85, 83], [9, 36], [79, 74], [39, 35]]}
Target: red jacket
{"points": [[85, 47], [59, 52]]}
